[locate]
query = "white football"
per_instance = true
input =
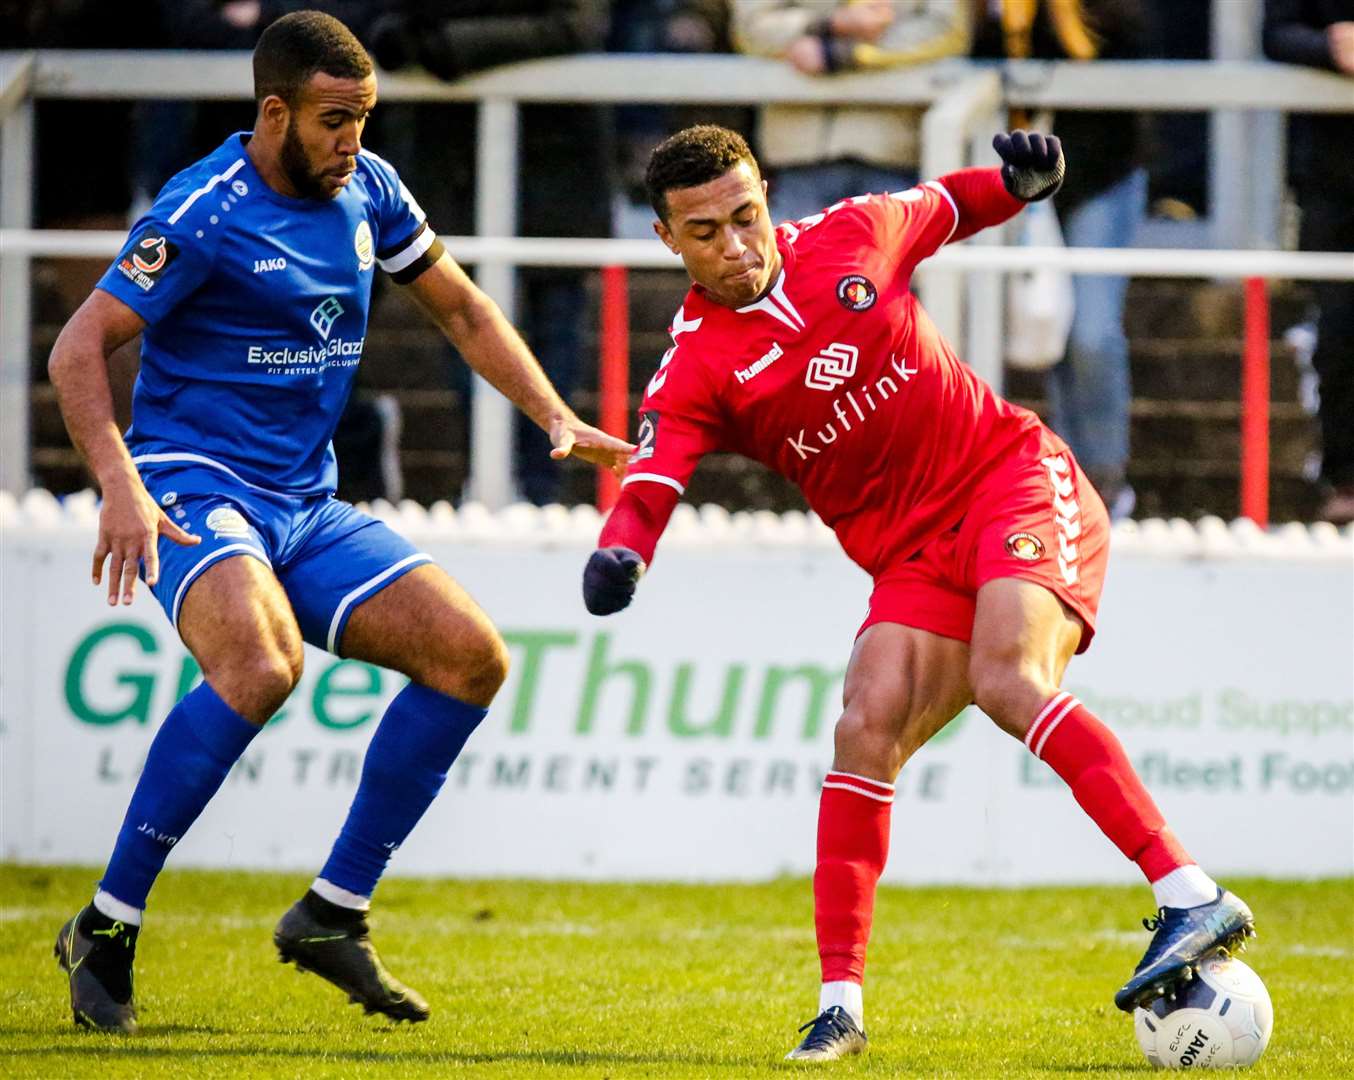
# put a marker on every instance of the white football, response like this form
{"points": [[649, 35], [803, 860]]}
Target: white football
{"points": [[1222, 1017]]}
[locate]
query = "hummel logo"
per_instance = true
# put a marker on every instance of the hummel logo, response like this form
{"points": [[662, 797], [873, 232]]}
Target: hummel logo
{"points": [[768, 358], [831, 367]]}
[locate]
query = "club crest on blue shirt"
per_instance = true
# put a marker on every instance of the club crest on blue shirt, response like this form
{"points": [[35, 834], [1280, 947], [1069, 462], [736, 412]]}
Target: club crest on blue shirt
{"points": [[146, 258], [227, 521], [362, 244]]}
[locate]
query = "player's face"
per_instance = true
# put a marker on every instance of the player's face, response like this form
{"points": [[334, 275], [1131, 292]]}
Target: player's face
{"points": [[324, 134], [722, 230]]}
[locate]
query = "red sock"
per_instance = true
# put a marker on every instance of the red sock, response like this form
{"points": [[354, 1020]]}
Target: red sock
{"points": [[1086, 754], [853, 844]]}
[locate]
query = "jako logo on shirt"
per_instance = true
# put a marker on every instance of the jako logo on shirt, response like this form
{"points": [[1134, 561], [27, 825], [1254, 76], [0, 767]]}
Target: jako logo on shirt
{"points": [[363, 246], [323, 317], [262, 266], [831, 367]]}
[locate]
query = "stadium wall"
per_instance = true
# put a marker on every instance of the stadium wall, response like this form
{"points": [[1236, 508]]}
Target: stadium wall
{"points": [[686, 739]]}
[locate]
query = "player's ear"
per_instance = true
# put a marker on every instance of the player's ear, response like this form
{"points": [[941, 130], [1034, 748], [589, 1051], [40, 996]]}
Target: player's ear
{"points": [[665, 235], [273, 111]]}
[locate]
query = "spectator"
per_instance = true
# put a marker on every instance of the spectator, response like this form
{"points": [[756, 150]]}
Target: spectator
{"points": [[1178, 184], [1320, 33], [817, 155], [564, 181], [1100, 205]]}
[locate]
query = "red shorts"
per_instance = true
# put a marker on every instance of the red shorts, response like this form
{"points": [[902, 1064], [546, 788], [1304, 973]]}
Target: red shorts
{"points": [[1036, 517]]}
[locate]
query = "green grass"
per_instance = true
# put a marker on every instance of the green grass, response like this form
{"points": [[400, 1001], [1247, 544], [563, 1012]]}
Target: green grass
{"points": [[539, 979]]}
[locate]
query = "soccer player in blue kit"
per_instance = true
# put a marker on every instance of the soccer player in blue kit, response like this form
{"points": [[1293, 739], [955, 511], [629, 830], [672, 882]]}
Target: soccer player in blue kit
{"points": [[250, 279]]}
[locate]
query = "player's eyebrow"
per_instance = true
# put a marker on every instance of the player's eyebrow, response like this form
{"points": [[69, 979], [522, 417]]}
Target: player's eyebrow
{"points": [[344, 110], [697, 222]]}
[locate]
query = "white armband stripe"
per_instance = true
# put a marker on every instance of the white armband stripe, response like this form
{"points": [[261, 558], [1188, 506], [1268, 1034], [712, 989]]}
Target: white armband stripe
{"points": [[422, 241], [655, 478]]}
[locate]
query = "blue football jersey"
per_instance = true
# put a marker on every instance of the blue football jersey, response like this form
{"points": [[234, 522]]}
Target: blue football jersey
{"points": [[256, 310]]}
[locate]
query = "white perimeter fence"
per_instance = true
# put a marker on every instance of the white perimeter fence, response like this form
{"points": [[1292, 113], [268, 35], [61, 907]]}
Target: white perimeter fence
{"points": [[964, 105], [687, 737]]}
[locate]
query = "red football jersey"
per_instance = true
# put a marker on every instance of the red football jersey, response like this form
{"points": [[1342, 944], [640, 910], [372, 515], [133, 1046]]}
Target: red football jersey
{"points": [[837, 379]]}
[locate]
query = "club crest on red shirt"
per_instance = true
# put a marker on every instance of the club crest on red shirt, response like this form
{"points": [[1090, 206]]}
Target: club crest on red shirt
{"points": [[856, 292]]}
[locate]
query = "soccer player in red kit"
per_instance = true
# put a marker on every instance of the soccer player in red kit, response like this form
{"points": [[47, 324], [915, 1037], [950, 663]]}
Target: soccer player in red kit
{"points": [[802, 347]]}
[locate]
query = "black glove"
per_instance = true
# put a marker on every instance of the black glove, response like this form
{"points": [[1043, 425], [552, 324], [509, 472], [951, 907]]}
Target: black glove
{"points": [[610, 578], [1032, 165]]}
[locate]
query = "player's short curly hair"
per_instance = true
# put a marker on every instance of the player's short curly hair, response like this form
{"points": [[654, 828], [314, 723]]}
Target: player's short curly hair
{"points": [[694, 156], [298, 46]]}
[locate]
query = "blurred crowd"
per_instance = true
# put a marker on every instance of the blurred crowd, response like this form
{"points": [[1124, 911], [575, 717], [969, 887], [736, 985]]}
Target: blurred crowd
{"points": [[583, 166]]}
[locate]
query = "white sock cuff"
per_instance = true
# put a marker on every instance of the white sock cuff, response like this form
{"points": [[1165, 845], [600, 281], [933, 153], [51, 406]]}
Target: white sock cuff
{"points": [[878, 790], [1050, 716], [849, 995], [342, 897], [110, 905], [1184, 887]]}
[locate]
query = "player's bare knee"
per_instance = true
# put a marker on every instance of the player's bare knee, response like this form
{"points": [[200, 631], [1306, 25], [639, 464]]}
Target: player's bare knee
{"points": [[476, 674], [257, 683], [867, 742], [1008, 688], [257, 688]]}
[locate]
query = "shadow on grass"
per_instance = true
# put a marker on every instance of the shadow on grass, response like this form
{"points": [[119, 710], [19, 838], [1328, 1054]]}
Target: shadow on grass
{"points": [[554, 1058]]}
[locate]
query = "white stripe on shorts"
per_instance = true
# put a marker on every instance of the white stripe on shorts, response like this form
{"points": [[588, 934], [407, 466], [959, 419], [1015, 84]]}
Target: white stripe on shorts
{"points": [[331, 642]]}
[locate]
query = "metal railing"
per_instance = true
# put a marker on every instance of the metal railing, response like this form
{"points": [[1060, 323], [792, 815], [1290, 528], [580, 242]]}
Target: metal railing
{"points": [[962, 100]]}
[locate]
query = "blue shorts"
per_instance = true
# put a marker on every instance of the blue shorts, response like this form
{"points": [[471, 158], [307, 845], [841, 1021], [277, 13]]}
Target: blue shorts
{"points": [[327, 554]]}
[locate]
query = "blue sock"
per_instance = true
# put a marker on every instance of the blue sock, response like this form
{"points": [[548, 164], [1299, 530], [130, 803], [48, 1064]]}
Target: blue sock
{"points": [[417, 740], [190, 756]]}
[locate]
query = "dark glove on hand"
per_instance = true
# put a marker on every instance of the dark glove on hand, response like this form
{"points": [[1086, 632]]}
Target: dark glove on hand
{"points": [[610, 578], [1032, 164]]}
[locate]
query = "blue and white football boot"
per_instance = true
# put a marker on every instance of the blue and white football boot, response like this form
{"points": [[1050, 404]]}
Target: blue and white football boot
{"points": [[1183, 938]]}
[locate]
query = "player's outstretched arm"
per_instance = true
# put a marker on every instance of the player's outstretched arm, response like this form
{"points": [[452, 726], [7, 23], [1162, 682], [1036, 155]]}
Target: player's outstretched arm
{"points": [[130, 521], [981, 198], [626, 546], [490, 345]]}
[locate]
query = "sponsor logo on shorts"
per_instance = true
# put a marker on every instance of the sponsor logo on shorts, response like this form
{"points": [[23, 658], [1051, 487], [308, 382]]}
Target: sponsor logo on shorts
{"points": [[1025, 546], [147, 258], [362, 244], [647, 437], [227, 521], [263, 266], [856, 292]]}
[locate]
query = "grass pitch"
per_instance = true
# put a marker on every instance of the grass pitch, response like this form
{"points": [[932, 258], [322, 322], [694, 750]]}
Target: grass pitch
{"points": [[542, 980]]}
